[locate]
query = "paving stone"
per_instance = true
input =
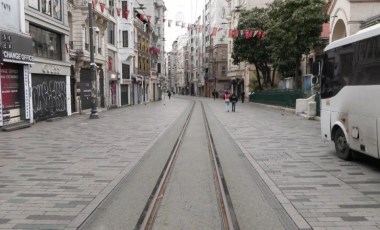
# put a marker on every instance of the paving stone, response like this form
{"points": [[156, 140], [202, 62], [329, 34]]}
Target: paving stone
{"points": [[4, 221], [353, 218], [54, 171]]}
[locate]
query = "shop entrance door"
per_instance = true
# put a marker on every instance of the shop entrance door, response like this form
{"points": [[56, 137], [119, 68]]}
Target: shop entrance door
{"points": [[10, 93]]}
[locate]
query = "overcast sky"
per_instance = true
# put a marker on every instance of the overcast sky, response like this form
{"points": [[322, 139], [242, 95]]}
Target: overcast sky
{"points": [[186, 11]]}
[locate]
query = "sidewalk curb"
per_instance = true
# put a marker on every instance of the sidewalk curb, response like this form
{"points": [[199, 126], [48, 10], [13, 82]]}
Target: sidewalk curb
{"points": [[289, 110]]}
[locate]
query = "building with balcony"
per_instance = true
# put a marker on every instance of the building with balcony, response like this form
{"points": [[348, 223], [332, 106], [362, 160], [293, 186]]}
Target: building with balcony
{"points": [[181, 64], [215, 18], [153, 13], [141, 78], [122, 89], [104, 45], [172, 70]]}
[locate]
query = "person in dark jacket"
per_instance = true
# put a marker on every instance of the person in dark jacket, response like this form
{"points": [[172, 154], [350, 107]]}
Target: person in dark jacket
{"points": [[242, 97], [233, 99]]}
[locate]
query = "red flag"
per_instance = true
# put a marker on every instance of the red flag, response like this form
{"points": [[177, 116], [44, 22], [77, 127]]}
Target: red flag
{"points": [[102, 5], [230, 33], [125, 13], [235, 33], [118, 11], [148, 17], [248, 34], [141, 17], [214, 31], [261, 35]]}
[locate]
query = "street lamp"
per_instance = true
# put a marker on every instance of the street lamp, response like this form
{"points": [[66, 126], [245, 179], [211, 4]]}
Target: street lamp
{"points": [[94, 112]]}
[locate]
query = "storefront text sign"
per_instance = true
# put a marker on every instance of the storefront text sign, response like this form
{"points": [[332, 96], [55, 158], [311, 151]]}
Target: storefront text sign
{"points": [[15, 48], [51, 69], [1, 108], [126, 81], [26, 87]]}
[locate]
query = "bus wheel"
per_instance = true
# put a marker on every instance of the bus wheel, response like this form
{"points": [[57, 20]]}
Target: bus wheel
{"points": [[341, 147]]}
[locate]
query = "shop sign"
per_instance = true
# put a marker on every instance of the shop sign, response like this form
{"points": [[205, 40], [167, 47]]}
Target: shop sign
{"points": [[113, 76], [126, 81], [153, 75], [10, 97], [51, 69], [1, 108], [26, 87], [15, 48], [227, 86]]}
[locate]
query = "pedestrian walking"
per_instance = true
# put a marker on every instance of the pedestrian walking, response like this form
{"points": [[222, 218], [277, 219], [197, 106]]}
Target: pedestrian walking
{"points": [[233, 99], [214, 94], [242, 97], [169, 94], [227, 101]]}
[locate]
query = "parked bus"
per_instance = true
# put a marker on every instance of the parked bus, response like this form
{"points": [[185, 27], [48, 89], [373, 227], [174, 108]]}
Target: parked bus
{"points": [[350, 93]]}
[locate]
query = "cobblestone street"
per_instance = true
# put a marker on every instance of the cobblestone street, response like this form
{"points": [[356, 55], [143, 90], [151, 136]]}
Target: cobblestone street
{"points": [[54, 174]]}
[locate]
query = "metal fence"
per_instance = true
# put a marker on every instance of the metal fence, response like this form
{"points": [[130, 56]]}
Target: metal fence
{"points": [[281, 97]]}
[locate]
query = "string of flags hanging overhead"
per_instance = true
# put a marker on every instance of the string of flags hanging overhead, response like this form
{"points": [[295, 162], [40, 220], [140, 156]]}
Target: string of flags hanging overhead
{"points": [[232, 33]]}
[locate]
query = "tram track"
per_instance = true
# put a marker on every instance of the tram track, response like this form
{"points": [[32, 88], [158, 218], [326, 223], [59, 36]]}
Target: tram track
{"points": [[226, 211]]}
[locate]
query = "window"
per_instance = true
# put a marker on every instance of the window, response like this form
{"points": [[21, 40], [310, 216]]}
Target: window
{"points": [[51, 8], [111, 7], [223, 70], [125, 38], [327, 75], [111, 33], [158, 67], [125, 69], [124, 9], [110, 63], [46, 44], [99, 44]]}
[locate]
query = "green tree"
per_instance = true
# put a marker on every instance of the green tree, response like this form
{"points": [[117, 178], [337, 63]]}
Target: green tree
{"points": [[294, 29], [253, 50]]}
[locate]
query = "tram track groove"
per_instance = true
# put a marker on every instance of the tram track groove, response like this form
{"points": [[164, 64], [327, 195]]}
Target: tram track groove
{"points": [[225, 207], [228, 215], [150, 210]]}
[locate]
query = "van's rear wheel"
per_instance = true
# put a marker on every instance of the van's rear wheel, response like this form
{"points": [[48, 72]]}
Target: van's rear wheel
{"points": [[341, 146]]}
